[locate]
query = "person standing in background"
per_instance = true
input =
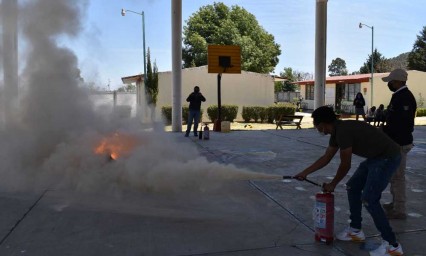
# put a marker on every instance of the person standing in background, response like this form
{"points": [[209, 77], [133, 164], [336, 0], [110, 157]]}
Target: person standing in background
{"points": [[359, 104], [194, 99], [380, 116], [399, 126], [371, 114]]}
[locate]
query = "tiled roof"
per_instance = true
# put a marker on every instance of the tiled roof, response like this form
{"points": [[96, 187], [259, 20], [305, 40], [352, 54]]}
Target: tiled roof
{"points": [[359, 78]]}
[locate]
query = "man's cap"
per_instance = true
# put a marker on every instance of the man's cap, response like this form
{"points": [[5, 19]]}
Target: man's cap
{"points": [[396, 75]]}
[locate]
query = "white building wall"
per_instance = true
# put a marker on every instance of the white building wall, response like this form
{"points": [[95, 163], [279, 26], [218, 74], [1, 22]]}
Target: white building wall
{"points": [[330, 94], [381, 95], [245, 89]]}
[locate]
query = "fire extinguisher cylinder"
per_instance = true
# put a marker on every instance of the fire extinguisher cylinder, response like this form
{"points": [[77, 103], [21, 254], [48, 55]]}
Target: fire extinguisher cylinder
{"points": [[324, 217], [206, 132]]}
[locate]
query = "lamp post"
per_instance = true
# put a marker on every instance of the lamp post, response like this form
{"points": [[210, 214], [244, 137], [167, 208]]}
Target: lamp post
{"points": [[123, 13], [372, 57]]}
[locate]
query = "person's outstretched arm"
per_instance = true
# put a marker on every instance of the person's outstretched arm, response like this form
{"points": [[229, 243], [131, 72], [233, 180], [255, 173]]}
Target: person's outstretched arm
{"points": [[318, 164]]}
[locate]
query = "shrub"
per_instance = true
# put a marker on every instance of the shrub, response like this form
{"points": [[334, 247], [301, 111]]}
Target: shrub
{"points": [[261, 113], [270, 114], [229, 112], [255, 113], [166, 112], [247, 114], [421, 112], [274, 112]]}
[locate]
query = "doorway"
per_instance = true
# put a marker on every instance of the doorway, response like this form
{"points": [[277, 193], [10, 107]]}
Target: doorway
{"points": [[340, 91]]}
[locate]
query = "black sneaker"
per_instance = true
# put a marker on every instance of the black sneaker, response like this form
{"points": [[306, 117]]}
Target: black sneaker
{"points": [[195, 134]]}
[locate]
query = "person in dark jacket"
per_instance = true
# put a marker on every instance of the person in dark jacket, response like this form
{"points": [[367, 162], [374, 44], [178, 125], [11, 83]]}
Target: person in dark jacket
{"points": [[359, 104], [399, 126], [194, 99]]}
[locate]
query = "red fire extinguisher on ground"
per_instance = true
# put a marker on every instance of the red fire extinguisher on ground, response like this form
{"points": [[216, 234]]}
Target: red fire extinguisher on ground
{"points": [[324, 217], [206, 132], [323, 214]]}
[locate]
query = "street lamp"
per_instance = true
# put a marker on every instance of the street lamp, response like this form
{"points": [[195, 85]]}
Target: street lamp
{"points": [[372, 57], [123, 13]]}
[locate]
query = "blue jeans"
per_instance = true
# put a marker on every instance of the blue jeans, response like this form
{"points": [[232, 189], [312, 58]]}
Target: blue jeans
{"points": [[366, 187], [193, 115]]}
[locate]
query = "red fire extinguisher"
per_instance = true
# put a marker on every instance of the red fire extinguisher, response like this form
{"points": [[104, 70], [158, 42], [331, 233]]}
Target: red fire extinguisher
{"points": [[206, 132], [323, 214], [324, 217]]}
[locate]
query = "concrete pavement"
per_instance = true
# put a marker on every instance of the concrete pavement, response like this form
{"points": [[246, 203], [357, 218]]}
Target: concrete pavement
{"points": [[248, 217]]}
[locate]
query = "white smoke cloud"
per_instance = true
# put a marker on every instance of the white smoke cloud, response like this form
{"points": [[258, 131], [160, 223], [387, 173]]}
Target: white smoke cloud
{"points": [[51, 140]]}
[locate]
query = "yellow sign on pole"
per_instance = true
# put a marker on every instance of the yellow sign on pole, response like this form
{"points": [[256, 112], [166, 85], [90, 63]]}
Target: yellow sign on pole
{"points": [[224, 59]]}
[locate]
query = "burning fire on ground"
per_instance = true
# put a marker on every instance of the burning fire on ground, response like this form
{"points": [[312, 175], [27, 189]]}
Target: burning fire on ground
{"points": [[116, 145]]}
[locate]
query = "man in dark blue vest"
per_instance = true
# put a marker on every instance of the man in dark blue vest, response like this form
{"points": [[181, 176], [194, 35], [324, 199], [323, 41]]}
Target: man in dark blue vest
{"points": [[399, 126]]}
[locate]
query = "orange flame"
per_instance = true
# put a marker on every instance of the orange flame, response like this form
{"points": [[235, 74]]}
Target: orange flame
{"points": [[116, 145]]}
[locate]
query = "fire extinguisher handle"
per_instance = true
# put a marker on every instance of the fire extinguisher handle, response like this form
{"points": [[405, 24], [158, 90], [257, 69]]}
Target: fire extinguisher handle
{"points": [[313, 183]]}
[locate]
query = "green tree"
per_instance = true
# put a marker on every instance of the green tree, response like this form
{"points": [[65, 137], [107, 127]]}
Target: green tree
{"points": [[288, 85], [381, 64], [130, 88], [338, 67], [219, 24], [417, 56], [151, 84], [291, 77], [400, 61]]}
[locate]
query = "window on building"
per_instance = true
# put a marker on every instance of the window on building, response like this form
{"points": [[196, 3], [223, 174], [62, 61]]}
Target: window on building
{"points": [[351, 90], [309, 92]]}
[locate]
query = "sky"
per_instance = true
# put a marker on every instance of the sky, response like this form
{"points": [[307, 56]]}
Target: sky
{"points": [[110, 45]]}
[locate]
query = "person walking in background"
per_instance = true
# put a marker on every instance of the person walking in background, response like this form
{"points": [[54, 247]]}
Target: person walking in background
{"points": [[370, 179], [359, 104], [194, 99], [399, 126]]}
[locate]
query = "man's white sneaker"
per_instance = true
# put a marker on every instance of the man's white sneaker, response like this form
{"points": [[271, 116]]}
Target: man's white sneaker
{"points": [[395, 251], [385, 249], [351, 234]]}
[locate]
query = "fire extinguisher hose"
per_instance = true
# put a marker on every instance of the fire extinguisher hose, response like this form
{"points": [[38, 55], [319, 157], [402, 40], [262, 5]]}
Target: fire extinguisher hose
{"points": [[310, 181]]}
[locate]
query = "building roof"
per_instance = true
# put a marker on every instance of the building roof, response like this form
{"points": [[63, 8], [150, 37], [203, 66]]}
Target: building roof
{"points": [[139, 78], [279, 78], [360, 78], [132, 79]]}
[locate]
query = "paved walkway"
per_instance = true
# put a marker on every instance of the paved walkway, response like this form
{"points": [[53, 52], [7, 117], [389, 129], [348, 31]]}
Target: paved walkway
{"points": [[306, 123], [223, 217]]}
